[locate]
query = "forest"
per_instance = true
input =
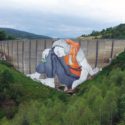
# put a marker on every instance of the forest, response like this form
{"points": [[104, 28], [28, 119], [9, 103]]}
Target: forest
{"points": [[5, 36], [117, 32], [98, 101]]}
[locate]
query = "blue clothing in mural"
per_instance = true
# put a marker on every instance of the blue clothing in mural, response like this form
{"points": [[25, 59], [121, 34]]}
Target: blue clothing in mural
{"points": [[55, 65]]}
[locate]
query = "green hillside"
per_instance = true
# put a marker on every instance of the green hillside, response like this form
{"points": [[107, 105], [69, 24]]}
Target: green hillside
{"points": [[117, 32], [22, 34], [99, 101]]}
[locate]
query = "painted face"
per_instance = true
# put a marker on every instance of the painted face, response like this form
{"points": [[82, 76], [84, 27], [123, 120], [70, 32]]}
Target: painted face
{"points": [[59, 51]]}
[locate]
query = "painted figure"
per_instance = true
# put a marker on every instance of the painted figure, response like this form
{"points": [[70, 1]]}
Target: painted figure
{"points": [[67, 62]]}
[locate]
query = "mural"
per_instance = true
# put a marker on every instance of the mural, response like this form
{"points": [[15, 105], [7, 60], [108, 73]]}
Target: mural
{"points": [[66, 62]]}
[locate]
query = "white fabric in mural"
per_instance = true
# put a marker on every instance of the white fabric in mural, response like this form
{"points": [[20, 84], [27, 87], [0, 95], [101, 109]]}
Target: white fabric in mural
{"points": [[61, 48]]}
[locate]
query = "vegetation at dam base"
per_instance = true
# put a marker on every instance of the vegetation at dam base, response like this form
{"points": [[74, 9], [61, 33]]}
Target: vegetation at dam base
{"points": [[99, 101]]}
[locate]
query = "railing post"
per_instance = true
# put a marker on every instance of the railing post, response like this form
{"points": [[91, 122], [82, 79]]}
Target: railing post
{"points": [[97, 47]]}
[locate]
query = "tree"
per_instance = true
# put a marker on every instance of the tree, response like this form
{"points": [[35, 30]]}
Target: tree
{"points": [[3, 35], [122, 106], [11, 37], [109, 108]]}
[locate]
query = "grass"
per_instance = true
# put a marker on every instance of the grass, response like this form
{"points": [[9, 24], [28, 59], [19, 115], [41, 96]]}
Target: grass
{"points": [[53, 107]]}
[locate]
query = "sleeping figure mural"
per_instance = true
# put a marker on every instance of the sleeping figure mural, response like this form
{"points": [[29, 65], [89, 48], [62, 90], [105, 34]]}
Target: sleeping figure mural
{"points": [[66, 61]]}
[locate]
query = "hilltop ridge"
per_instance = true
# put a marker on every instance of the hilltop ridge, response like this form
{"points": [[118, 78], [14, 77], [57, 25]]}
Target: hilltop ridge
{"points": [[22, 34], [117, 32]]}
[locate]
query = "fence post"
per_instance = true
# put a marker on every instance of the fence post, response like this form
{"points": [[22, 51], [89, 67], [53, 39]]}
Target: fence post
{"points": [[30, 57], [97, 47], [112, 50]]}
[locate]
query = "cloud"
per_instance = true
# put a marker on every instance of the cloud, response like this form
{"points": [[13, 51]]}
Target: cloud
{"points": [[59, 17], [98, 9]]}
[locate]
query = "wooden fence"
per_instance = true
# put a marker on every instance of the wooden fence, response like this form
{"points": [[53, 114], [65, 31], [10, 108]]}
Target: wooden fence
{"points": [[26, 54]]}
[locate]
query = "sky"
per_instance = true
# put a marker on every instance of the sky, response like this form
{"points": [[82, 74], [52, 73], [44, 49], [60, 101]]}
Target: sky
{"points": [[61, 18]]}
